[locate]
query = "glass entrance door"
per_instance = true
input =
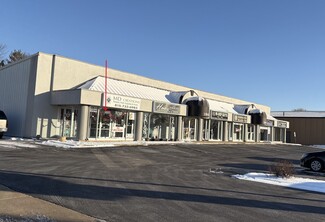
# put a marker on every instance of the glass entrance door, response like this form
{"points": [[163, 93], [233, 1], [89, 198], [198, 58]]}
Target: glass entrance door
{"points": [[130, 125], [264, 134], [93, 123], [104, 124], [206, 129], [189, 129], [112, 124], [238, 132], [251, 132], [279, 134], [68, 122], [216, 130], [172, 126], [118, 124]]}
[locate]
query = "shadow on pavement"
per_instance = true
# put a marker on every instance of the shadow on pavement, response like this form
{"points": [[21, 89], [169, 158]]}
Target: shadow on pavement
{"points": [[274, 160], [43, 185], [247, 167]]}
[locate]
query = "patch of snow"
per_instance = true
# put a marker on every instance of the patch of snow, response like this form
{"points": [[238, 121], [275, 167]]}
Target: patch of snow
{"points": [[255, 111], [221, 106], [89, 144], [20, 139], [193, 98], [292, 182], [74, 144], [17, 143]]}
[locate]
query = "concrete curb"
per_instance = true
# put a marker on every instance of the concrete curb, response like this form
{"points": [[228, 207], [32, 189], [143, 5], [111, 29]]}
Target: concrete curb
{"points": [[15, 206]]}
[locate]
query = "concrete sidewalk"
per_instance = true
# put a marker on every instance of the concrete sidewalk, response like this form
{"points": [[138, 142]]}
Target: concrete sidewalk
{"points": [[15, 206]]}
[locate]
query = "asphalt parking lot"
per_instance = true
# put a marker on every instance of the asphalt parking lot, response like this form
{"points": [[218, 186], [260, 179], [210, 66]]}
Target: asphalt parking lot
{"points": [[183, 182]]}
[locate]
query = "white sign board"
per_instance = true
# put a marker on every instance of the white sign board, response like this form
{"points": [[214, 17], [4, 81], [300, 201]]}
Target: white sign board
{"points": [[121, 102], [160, 107], [118, 129]]}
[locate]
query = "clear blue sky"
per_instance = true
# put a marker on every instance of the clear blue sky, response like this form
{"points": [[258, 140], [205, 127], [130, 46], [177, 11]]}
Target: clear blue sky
{"points": [[270, 52]]}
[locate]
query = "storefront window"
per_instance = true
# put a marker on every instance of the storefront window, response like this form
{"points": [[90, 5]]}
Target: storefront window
{"points": [[111, 124], [161, 127], [145, 126], [216, 130], [238, 132]]}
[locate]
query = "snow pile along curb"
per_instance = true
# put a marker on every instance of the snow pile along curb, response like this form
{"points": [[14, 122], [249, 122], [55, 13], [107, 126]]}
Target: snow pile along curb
{"points": [[90, 144], [292, 182], [74, 144]]}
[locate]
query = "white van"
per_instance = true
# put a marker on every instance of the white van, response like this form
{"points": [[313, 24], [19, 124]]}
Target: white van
{"points": [[3, 123]]}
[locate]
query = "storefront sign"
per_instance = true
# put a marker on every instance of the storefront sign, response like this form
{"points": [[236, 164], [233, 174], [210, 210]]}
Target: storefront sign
{"points": [[118, 129], [122, 102], [160, 107], [282, 124], [239, 118], [219, 115]]}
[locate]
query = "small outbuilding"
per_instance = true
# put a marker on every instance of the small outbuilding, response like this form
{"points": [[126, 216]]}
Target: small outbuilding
{"points": [[307, 127]]}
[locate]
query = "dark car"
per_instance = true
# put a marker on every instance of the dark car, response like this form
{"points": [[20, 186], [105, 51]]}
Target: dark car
{"points": [[3, 123], [314, 161]]}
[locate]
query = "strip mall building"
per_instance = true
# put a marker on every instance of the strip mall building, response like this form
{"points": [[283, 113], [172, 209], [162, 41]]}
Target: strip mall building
{"points": [[51, 96]]}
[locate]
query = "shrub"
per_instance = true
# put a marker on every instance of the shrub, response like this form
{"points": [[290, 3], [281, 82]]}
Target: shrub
{"points": [[282, 168]]}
